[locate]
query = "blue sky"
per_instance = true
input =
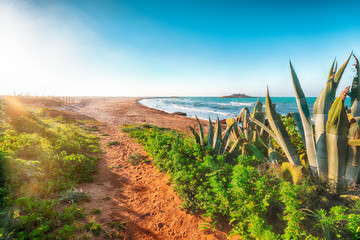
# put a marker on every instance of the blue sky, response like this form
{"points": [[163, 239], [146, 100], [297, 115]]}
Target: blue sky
{"points": [[173, 48]]}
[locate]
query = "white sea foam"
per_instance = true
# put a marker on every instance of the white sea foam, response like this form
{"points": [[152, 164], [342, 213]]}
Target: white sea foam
{"points": [[171, 106], [240, 104], [204, 107]]}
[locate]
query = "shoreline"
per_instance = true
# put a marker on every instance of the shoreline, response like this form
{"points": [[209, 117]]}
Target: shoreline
{"points": [[127, 110], [137, 194]]}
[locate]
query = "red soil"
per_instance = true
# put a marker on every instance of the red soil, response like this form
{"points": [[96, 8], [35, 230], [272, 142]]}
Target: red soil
{"points": [[139, 195]]}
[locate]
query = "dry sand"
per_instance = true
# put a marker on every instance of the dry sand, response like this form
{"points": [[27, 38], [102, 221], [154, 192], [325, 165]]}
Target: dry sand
{"points": [[139, 195], [118, 111]]}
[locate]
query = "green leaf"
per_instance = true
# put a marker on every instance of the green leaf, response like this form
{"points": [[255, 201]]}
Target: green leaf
{"points": [[280, 131], [257, 152], [355, 91], [217, 136], [225, 139], [337, 139], [305, 128], [320, 111], [331, 72], [196, 135], [201, 136], [353, 155], [210, 133]]}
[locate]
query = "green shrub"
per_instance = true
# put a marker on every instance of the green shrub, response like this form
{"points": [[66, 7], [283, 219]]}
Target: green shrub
{"points": [[353, 225], [95, 211], [40, 157], [113, 143], [135, 159], [74, 196], [94, 227], [252, 195]]}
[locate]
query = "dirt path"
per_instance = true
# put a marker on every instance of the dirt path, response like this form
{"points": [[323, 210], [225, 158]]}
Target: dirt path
{"points": [[118, 111], [139, 195]]}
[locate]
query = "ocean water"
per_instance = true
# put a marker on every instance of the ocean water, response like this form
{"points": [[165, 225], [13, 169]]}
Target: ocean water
{"points": [[213, 107]]}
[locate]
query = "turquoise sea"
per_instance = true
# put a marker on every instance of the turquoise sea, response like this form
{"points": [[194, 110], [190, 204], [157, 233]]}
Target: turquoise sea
{"points": [[205, 107]]}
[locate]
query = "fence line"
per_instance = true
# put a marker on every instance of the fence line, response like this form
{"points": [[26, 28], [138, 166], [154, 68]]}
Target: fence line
{"points": [[65, 99]]}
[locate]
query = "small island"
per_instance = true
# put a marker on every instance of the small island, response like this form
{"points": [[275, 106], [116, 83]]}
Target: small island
{"points": [[237, 95]]}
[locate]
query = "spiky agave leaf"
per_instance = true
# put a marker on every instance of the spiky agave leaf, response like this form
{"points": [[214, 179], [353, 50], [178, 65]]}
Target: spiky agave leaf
{"points": [[306, 124], [259, 115], [250, 146], [332, 72], [296, 116], [239, 117], [353, 156], [230, 121], [217, 136], [280, 131], [355, 91], [236, 145], [234, 151], [225, 140], [210, 134], [258, 112], [245, 123], [340, 72], [201, 131], [337, 140], [272, 154], [321, 109], [196, 135], [265, 128], [235, 134]]}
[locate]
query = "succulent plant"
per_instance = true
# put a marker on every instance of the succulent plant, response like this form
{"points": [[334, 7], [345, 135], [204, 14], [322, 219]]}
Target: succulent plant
{"points": [[337, 140], [334, 149], [216, 139], [321, 110], [334, 152], [305, 125]]}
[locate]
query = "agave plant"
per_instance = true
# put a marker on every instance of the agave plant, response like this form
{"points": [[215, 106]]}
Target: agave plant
{"points": [[337, 140], [250, 131], [328, 151], [253, 134], [240, 134], [353, 161], [253, 138], [320, 111], [216, 139], [355, 92]]}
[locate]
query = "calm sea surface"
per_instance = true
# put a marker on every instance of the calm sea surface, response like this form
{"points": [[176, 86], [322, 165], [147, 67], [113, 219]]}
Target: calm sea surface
{"points": [[205, 107]]}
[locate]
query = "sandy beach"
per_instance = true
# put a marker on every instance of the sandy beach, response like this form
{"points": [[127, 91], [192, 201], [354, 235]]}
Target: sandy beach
{"points": [[139, 195], [122, 110]]}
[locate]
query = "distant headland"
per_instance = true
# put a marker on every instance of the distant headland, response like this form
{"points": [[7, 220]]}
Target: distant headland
{"points": [[237, 95]]}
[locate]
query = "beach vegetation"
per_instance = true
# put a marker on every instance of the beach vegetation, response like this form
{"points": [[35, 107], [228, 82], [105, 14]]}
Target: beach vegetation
{"points": [[113, 143], [137, 158], [42, 160], [95, 211], [257, 198], [94, 227], [270, 176], [331, 148]]}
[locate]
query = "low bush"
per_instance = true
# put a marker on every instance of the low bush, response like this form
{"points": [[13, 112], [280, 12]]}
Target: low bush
{"points": [[113, 143], [251, 195], [42, 158]]}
